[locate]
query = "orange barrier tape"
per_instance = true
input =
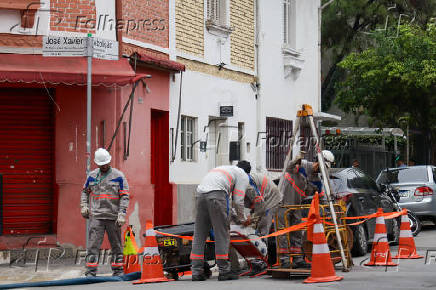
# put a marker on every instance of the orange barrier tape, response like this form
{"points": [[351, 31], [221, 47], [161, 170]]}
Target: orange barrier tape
{"points": [[389, 215], [278, 233]]}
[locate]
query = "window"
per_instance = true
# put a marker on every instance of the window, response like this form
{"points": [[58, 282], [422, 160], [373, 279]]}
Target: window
{"points": [[289, 16], [404, 175], [359, 180], [217, 12], [278, 135], [188, 125]]}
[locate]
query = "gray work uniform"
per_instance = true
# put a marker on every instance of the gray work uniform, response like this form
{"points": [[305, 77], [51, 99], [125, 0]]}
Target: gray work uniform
{"points": [[263, 200], [294, 187], [106, 195], [222, 188]]}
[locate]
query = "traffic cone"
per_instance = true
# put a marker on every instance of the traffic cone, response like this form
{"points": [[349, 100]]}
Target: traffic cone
{"points": [[406, 247], [130, 252], [380, 255], [152, 269], [322, 266]]}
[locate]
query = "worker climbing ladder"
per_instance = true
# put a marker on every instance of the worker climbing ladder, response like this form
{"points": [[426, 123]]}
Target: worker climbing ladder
{"points": [[306, 113]]}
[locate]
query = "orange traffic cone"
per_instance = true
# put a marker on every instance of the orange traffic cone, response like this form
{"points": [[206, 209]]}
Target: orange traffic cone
{"points": [[406, 247], [380, 255], [152, 269], [322, 266]]}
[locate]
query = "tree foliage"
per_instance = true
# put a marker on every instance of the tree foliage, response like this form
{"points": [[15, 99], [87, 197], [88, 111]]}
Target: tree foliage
{"points": [[395, 78], [346, 28]]}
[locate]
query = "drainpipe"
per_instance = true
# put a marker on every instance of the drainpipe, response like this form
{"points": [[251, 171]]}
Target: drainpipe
{"points": [[258, 90], [119, 32]]}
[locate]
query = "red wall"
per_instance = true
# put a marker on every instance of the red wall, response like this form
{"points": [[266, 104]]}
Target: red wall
{"points": [[107, 105]]}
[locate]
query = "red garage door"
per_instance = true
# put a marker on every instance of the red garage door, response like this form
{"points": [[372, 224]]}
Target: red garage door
{"points": [[26, 161]]}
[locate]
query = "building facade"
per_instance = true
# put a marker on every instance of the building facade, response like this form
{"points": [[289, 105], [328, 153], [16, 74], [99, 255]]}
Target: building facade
{"points": [[43, 101], [224, 82], [249, 64]]}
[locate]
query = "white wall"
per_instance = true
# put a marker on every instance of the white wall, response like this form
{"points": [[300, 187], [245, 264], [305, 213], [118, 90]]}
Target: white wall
{"points": [[202, 95], [281, 94]]}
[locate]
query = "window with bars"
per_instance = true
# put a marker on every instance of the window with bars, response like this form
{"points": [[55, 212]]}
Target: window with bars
{"points": [[217, 12], [289, 30], [278, 135], [188, 125]]}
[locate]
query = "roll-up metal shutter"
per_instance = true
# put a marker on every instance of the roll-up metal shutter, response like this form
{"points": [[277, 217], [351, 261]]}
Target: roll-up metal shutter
{"points": [[26, 161]]}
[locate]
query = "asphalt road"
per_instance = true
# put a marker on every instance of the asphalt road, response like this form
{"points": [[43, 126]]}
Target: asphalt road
{"points": [[410, 274]]}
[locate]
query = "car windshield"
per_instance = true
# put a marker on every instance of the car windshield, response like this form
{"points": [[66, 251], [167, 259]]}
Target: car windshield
{"points": [[403, 175], [359, 180]]}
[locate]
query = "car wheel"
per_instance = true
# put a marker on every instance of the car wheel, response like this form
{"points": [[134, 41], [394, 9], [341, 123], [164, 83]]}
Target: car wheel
{"points": [[415, 224], [360, 243]]}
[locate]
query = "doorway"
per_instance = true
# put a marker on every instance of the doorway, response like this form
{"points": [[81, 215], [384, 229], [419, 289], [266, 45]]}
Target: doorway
{"points": [[218, 142], [163, 195]]}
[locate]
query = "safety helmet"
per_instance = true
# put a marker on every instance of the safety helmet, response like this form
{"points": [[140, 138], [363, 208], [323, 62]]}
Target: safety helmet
{"points": [[329, 158], [102, 157]]}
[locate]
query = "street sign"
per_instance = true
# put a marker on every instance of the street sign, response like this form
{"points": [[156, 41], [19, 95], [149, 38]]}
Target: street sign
{"points": [[226, 111], [76, 46], [63, 46], [105, 49]]}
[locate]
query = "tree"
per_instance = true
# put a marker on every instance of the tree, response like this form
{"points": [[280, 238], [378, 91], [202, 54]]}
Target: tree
{"points": [[345, 28], [395, 78]]}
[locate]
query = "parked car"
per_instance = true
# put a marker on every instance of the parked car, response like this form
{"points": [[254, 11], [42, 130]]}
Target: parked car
{"points": [[416, 186], [363, 197]]}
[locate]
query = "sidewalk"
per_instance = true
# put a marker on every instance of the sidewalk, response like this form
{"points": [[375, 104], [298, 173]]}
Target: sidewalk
{"points": [[61, 269]]}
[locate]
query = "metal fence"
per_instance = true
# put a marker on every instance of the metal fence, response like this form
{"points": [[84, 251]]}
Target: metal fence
{"points": [[372, 158]]}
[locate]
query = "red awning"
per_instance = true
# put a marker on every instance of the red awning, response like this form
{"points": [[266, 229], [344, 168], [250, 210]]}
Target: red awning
{"points": [[160, 63], [29, 68]]}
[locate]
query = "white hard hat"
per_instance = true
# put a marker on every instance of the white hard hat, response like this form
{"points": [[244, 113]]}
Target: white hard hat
{"points": [[329, 158], [102, 157]]}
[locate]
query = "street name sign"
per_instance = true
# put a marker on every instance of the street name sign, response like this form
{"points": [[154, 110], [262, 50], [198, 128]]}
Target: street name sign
{"points": [[104, 49], [77, 46], [63, 46]]}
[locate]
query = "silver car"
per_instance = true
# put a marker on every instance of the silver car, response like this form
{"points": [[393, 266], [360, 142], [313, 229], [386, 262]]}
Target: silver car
{"points": [[416, 186]]}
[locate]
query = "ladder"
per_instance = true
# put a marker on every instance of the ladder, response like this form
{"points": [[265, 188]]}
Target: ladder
{"points": [[307, 112]]}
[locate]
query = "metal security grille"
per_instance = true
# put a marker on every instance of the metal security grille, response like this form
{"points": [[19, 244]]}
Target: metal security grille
{"points": [[26, 161], [278, 134], [217, 11]]}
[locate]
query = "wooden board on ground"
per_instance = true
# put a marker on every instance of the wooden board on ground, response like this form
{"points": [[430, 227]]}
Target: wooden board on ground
{"points": [[288, 273]]}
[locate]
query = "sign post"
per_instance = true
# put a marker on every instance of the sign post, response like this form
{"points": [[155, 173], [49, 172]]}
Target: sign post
{"points": [[91, 47]]}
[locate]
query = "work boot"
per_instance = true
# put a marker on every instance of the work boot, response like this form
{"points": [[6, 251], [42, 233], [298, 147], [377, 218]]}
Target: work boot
{"points": [[207, 273], [285, 264], [90, 274], [227, 276], [200, 277], [118, 273], [258, 266], [300, 263]]}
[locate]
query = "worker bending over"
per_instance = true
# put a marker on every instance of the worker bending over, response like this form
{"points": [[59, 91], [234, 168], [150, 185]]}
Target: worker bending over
{"points": [[262, 198], [221, 189]]}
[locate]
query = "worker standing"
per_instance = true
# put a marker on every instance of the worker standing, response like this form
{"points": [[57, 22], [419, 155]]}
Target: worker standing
{"points": [[104, 200], [300, 180], [222, 188]]}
